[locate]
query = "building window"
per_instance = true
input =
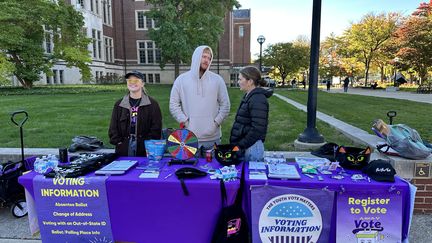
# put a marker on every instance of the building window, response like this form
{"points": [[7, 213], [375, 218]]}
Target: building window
{"points": [[91, 6], [81, 3], [61, 77], [99, 41], [97, 6], [157, 78], [48, 41], [55, 76], [98, 75], [241, 31], [107, 12], [109, 49], [94, 43], [142, 22], [48, 46], [48, 79], [148, 53], [97, 44], [150, 78]]}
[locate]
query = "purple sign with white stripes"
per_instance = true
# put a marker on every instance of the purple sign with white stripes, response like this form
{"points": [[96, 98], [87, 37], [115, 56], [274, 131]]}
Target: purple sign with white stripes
{"points": [[290, 215]]}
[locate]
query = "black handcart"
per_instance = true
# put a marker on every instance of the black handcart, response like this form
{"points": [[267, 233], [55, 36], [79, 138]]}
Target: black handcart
{"points": [[11, 192]]}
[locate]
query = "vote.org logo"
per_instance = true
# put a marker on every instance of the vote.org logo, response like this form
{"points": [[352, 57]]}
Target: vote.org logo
{"points": [[290, 218]]}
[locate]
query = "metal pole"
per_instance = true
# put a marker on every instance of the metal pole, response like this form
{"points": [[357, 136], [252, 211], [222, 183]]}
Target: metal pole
{"points": [[311, 134], [22, 144], [260, 64]]}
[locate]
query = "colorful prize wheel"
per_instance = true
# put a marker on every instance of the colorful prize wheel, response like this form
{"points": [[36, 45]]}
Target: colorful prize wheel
{"points": [[182, 144]]}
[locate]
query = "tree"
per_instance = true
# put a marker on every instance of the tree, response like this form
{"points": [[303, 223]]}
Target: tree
{"points": [[366, 37], [183, 25], [286, 58], [6, 70], [415, 38], [385, 55], [330, 58], [26, 24]]}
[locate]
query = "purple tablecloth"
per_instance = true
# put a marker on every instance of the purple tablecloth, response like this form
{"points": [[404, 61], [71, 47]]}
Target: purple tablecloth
{"points": [[345, 184], [156, 210]]}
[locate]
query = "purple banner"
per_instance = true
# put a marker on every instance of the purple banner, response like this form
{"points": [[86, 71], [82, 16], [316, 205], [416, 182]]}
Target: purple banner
{"points": [[369, 217], [72, 209], [290, 215]]}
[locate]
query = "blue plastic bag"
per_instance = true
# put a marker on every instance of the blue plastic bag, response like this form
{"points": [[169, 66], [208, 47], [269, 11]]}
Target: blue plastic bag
{"points": [[155, 149]]}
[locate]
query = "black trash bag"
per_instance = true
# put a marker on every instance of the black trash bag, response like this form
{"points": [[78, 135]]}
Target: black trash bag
{"points": [[85, 143]]}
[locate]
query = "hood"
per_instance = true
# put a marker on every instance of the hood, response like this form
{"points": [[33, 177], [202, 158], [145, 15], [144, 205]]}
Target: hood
{"points": [[196, 61], [259, 90]]}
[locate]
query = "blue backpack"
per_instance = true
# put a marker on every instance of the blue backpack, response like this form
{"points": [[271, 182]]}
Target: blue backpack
{"points": [[406, 142]]}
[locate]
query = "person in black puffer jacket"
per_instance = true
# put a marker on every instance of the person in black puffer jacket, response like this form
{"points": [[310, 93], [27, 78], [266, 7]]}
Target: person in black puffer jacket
{"points": [[250, 125]]}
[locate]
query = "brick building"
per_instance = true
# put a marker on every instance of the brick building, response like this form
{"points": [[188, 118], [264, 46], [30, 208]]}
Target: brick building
{"points": [[121, 42]]}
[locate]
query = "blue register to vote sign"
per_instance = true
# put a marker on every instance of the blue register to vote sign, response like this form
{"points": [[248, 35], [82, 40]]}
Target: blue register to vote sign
{"points": [[72, 209]]}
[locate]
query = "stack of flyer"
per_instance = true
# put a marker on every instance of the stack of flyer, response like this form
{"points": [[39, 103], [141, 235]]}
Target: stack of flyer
{"points": [[117, 167], [283, 171], [318, 162]]}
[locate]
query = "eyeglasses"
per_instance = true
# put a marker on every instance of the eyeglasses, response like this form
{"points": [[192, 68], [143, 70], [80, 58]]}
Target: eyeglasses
{"points": [[133, 81]]}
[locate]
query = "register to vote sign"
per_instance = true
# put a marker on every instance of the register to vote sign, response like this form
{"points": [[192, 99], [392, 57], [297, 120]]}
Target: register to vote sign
{"points": [[72, 209], [369, 217]]}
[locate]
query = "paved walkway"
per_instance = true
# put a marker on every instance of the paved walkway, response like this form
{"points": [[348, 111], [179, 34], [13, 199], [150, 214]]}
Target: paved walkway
{"points": [[425, 98]]}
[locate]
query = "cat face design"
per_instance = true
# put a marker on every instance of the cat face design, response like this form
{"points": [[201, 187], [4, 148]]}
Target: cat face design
{"points": [[353, 158], [226, 154]]}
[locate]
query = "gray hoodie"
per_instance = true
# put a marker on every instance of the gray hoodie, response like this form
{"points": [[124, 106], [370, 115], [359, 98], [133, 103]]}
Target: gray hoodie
{"points": [[201, 103]]}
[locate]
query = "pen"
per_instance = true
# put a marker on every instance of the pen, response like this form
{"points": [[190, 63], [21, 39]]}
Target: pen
{"points": [[170, 174]]}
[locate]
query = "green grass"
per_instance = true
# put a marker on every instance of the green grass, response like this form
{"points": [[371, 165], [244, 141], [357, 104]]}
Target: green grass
{"points": [[361, 111], [58, 113]]}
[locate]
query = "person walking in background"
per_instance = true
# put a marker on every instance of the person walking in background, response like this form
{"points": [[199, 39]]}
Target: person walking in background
{"points": [[135, 118], [293, 82], [328, 83], [303, 83], [250, 125], [199, 99], [345, 84]]}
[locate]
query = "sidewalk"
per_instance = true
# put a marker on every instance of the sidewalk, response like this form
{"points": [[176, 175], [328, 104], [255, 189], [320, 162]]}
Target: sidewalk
{"points": [[425, 98]]}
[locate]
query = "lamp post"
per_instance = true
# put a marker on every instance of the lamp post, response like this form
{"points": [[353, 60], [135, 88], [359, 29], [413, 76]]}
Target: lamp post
{"points": [[310, 134], [395, 65], [260, 40]]}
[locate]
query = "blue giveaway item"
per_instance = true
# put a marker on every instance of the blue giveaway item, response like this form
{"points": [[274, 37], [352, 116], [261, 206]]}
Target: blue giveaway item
{"points": [[155, 149]]}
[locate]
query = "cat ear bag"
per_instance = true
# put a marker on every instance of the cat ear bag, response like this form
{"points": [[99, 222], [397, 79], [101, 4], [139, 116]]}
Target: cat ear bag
{"points": [[353, 158], [227, 154]]}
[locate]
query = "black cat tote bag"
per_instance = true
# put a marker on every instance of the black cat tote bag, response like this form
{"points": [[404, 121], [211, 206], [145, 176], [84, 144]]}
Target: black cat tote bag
{"points": [[232, 226]]}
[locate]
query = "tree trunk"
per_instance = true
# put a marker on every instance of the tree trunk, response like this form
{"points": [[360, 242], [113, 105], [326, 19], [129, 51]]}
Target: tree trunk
{"points": [[366, 73], [382, 73], [422, 76], [26, 85]]}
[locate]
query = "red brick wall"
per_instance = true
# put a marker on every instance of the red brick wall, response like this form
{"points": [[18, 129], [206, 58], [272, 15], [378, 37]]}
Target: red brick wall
{"points": [[423, 200]]}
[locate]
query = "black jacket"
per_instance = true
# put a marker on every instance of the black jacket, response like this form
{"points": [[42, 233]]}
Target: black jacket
{"points": [[250, 124], [149, 124]]}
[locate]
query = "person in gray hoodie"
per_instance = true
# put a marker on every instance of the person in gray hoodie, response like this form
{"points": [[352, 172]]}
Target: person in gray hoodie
{"points": [[199, 99]]}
